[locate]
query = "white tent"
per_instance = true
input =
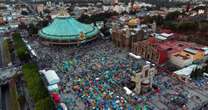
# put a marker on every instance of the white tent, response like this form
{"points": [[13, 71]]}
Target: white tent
{"points": [[205, 49], [51, 76], [167, 35], [186, 71], [64, 107], [135, 56], [128, 91], [53, 87]]}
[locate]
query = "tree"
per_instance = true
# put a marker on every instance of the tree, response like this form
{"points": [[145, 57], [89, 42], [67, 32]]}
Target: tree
{"points": [[34, 82], [197, 73], [36, 88], [206, 62], [44, 104], [42, 24], [24, 13], [22, 25], [158, 19], [170, 25], [131, 85], [147, 20], [70, 9], [21, 100], [20, 47], [85, 19], [172, 15], [199, 8], [203, 26], [16, 34], [205, 69], [46, 11], [185, 26], [32, 29], [193, 74]]}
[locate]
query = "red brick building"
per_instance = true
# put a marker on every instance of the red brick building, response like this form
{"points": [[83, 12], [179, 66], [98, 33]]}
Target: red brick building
{"points": [[150, 50], [159, 51]]}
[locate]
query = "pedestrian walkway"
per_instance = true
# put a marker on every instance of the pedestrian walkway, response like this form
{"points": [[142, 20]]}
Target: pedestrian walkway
{"points": [[1, 51], [7, 73]]}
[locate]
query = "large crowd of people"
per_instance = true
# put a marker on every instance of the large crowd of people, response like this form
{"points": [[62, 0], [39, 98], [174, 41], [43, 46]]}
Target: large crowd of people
{"points": [[94, 73], [93, 76]]}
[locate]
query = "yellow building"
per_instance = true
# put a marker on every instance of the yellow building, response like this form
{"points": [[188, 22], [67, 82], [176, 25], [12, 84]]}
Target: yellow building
{"points": [[197, 54], [133, 22], [186, 57]]}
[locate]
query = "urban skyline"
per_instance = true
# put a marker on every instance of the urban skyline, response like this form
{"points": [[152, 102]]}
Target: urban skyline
{"points": [[104, 55]]}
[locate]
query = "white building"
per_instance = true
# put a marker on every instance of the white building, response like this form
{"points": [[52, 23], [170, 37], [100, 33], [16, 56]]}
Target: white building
{"points": [[144, 79], [51, 76], [184, 74], [181, 60]]}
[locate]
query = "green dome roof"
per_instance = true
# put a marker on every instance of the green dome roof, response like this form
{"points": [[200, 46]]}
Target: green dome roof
{"points": [[67, 28]]}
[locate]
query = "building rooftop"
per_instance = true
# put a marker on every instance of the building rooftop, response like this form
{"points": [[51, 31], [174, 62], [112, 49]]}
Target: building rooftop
{"points": [[176, 46], [186, 71], [67, 28], [205, 49], [184, 56], [190, 50]]}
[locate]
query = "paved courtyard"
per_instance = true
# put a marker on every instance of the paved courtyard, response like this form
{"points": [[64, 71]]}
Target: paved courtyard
{"points": [[93, 76]]}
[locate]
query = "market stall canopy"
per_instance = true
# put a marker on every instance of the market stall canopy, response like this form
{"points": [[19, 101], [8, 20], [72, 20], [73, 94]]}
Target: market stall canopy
{"points": [[53, 87], [67, 28], [187, 70], [56, 97], [128, 91], [51, 76], [62, 106]]}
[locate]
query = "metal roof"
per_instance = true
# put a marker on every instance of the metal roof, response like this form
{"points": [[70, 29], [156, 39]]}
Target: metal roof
{"points": [[67, 28]]}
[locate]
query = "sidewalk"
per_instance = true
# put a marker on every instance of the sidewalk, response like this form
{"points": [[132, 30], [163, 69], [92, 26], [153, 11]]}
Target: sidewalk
{"points": [[1, 51]]}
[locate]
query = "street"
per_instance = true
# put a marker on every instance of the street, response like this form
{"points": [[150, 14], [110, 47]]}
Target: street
{"points": [[1, 51], [5, 97]]}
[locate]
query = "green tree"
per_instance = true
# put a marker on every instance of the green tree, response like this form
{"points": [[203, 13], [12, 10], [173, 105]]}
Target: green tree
{"points": [[16, 34], [46, 11], [85, 19], [158, 19], [172, 15], [170, 25], [24, 13], [193, 74], [147, 20], [22, 25], [203, 27], [206, 62], [197, 73], [34, 82], [206, 68], [32, 29], [44, 104], [20, 47], [185, 26]]}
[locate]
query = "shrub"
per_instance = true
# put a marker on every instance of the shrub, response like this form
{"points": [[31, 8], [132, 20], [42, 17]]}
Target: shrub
{"points": [[34, 82], [20, 47], [44, 104]]}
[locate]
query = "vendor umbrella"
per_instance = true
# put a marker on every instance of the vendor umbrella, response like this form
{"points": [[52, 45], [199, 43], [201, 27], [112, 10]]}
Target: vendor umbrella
{"points": [[56, 97], [138, 107], [62, 106]]}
